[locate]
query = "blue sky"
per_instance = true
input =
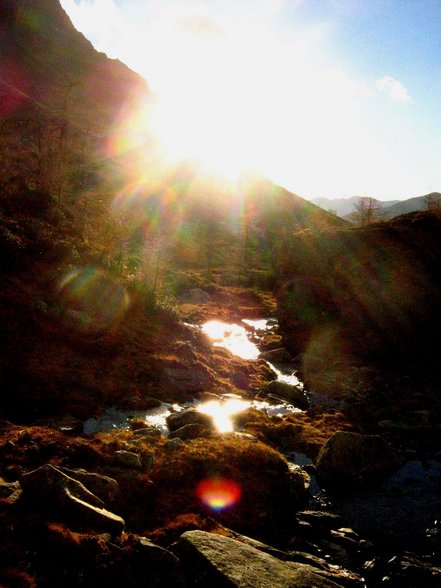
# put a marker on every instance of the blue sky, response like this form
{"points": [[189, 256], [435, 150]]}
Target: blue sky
{"points": [[330, 98]]}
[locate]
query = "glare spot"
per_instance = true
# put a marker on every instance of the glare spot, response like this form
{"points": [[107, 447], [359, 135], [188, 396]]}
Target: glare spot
{"points": [[232, 337], [221, 412], [218, 493]]}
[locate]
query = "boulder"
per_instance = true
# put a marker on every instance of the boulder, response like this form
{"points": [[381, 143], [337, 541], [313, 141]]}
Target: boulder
{"points": [[279, 355], [211, 560], [66, 498], [292, 394], [348, 456], [128, 459], [47, 486], [191, 431], [156, 566], [189, 416], [103, 486], [87, 516]]}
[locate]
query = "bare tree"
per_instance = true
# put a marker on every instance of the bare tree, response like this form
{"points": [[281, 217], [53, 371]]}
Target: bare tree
{"points": [[366, 211], [432, 202]]}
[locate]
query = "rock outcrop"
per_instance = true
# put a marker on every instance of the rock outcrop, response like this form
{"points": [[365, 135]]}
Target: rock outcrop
{"points": [[211, 560], [351, 457]]}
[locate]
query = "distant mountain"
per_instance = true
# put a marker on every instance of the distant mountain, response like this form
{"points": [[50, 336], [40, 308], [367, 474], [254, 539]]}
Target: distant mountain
{"points": [[45, 61], [412, 205], [345, 206]]}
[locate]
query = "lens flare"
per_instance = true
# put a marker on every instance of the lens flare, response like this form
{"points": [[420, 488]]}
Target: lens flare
{"points": [[93, 299], [218, 493]]}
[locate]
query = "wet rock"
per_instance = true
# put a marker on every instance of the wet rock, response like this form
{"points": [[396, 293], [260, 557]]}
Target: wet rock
{"points": [[350, 456], [128, 459], [280, 356], [321, 520], [189, 416], [191, 431], [211, 560], [404, 571], [103, 486], [299, 483], [293, 394]]}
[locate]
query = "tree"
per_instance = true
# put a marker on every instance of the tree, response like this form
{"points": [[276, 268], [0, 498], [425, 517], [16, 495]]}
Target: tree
{"points": [[432, 202], [366, 211]]}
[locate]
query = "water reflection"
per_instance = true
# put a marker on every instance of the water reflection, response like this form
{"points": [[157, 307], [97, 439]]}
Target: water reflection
{"points": [[222, 411], [232, 337]]}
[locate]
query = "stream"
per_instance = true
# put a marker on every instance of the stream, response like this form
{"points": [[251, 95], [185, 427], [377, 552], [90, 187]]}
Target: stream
{"points": [[402, 509], [235, 338]]}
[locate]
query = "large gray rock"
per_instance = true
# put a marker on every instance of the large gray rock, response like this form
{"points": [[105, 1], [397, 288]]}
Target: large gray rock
{"points": [[104, 487], [48, 484], [215, 561], [350, 456], [52, 491], [293, 394], [189, 416], [87, 516]]}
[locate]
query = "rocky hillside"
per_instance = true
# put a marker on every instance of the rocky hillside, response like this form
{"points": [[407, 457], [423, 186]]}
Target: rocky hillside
{"points": [[372, 293]]}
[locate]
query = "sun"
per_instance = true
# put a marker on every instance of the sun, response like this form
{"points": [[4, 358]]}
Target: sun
{"points": [[210, 94]]}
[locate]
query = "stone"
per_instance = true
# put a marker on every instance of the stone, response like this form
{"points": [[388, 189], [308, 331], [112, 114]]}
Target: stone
{"points": [[190, 431], [157, 566], [128, 459], [47, 485], [87, 516], [173, 444], [189, 416], [103, 486], [211, 560], [279, 355], [150, 433], [292, 394], [321, 520], [350, 457], [66, 498]]}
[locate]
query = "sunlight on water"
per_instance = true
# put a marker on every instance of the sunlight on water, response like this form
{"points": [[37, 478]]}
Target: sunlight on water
{"points": [[221, 412], [232, 337]]}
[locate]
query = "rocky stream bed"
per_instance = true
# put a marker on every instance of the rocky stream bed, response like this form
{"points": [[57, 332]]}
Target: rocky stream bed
{"points": [[163, 498]]}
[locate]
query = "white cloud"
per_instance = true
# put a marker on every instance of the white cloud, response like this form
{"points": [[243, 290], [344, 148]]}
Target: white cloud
{"points": [[393, 88]]}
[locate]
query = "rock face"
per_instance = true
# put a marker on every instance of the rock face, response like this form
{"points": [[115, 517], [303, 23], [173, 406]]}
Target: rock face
{"points": [[371, 292], [214, 561], [350, 456]]}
